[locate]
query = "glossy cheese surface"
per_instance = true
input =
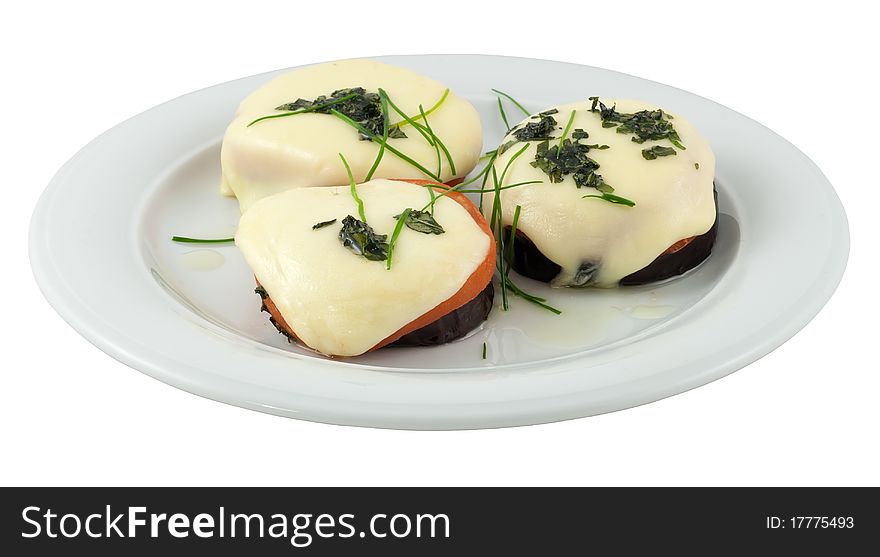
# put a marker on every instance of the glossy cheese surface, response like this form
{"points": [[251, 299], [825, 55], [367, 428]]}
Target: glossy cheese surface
{"points": [[303, 150], [342, 304], [597, 243]]}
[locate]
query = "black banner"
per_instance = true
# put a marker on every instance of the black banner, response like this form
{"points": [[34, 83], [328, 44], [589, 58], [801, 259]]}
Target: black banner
{"points": [[437, 521]]}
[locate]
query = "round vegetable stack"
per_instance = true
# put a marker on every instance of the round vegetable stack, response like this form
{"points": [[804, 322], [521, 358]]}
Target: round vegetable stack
{"points": [[389, 122], [347, 270], [618, 193]]}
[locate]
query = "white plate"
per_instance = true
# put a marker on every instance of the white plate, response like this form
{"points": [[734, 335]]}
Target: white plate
{"points": [[188, 316]]}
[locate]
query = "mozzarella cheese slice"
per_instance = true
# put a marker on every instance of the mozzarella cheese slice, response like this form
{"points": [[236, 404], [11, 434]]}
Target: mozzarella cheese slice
{"points": [[303, 150], [340, 303], [673, 198]]}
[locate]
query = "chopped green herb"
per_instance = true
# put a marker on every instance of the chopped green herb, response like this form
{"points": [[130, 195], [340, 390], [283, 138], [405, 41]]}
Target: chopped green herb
{"points": [[570, 158], [435, 141], [529, 297], [430, 205], [644, 125], [322, 224], [483, 173], [484, 350], [394, 235], [514, 101], [361, 239], [353, 189], [503, 114], [657, 151], [697, 165], [504, 147], [313, 108], [186, 240], [497, 187], [433, 197], [489, 165], [507, 187], [613, 199], [541, 129], [498, 216], [445, 151], [354, 102], [388, 146], [512, 238], [408, 119], [565, 131], [497, 227], [421, 221], [460, 188], [425, 131], [384, 102], [430, 110]]}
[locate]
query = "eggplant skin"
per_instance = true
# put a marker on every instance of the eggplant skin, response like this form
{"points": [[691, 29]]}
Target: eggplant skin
{"points": [[454, 325], [530, 262], [668, 265]]}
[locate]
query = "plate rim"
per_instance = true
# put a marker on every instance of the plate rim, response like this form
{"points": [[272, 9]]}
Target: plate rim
{"points": [[52, 286]]}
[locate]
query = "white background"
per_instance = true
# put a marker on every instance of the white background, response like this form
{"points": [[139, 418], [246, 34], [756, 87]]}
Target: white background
{"points": [[807, 414]]}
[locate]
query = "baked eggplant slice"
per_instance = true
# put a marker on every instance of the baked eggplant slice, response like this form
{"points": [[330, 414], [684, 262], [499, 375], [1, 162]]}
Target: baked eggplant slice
{"points": [[679, 258], [344, 285], [604, 193], [288, 133], [452, 326]]}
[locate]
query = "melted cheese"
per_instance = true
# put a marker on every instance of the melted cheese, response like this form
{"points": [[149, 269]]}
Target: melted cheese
{"points": [[342, 304], [674, 199], [303, 150]]}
